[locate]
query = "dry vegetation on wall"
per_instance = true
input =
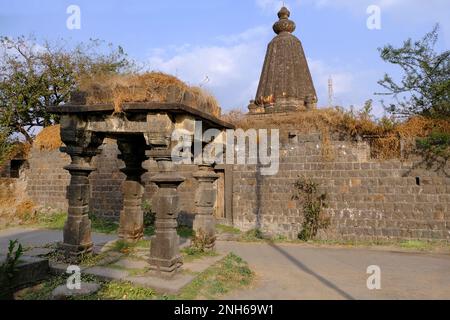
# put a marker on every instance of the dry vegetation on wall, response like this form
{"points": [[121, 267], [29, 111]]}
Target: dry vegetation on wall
{"points": [[48, 139], [146, 87], [16, 150], [388, 138]]}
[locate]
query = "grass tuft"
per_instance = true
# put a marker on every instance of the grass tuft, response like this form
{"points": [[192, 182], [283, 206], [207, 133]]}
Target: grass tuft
{"points": [[228, 274], [227, 229]]}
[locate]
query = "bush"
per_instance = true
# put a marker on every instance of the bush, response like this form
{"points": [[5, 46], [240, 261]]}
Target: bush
{"points": [[313, 202], [437, 143]]}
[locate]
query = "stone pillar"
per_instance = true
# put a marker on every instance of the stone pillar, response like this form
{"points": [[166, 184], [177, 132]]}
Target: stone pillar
{"points": [[81, 145], [165, 258], [205, 198], [132, 217], [77, 229]]}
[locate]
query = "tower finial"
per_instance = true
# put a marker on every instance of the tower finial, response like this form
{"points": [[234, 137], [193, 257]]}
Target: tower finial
{"points": [[284, 24]]}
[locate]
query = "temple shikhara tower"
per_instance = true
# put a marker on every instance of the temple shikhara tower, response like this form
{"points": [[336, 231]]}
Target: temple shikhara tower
{"points": [[286, 83]]}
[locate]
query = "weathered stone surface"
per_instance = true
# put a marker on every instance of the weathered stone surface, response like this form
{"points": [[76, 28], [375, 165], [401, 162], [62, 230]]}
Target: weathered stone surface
{"points": [[165, 258], [205, 198], [131, 217], [29, 270], [106, 273], [132, 264], [63, 293], [285, 83]]}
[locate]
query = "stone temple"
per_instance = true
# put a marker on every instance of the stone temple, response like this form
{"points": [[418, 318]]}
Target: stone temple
{"points": [[114, 164], [286, 83]]}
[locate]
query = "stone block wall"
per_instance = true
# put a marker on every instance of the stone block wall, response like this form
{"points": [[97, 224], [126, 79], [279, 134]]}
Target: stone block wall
{"points": [[46, 178], [367, 199], [106, 182]]}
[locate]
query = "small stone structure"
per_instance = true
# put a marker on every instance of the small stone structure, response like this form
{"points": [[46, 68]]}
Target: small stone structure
{"points": [[142, 131]]}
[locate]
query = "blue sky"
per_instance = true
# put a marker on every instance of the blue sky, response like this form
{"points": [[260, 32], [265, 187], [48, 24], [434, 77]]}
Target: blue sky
{"points": [[225, 40]]}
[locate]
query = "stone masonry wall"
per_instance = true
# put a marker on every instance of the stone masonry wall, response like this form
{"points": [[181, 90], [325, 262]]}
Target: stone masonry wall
{"points": [[46, 178], [367, 199]]}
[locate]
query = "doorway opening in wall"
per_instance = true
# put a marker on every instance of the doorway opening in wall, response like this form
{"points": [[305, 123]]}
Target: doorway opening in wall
{"points": [[16, 166]]}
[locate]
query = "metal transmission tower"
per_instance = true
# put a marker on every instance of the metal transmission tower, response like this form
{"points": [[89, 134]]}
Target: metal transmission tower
{"points": [[330, 92]]}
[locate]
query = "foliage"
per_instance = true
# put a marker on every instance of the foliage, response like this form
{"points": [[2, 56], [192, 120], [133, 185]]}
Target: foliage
{"points": [[149, 215], [389, 138], [185, 232], [425, 85], [6, 146], [34, 76], [437, 143], [9, 267], [313, 202]]}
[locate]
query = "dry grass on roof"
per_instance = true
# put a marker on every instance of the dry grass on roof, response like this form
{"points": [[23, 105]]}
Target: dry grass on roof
{"points": [[48, 139], [146, 87]]}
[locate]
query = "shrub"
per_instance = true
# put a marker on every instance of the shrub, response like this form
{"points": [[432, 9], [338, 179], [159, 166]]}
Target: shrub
{"points": [[9, 267], [437, 143], [313, 202]]}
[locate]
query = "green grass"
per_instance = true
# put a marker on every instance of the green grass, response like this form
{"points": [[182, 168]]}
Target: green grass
{"points": [[149, 231], [110, 290], [183, 231], [228, 274], [416, 245], [102, 225], [126, 247], [192, 253], [54, 221], [221, 228], [254, 235], [122, 291]]}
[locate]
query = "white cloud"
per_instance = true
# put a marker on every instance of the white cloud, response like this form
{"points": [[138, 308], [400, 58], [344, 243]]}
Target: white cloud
{"points": [[232, 66], [270, 5]]}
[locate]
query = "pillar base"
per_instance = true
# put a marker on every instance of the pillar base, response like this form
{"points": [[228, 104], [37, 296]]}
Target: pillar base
{"points": [[74, 253], [131, 236], [166, 268]]}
